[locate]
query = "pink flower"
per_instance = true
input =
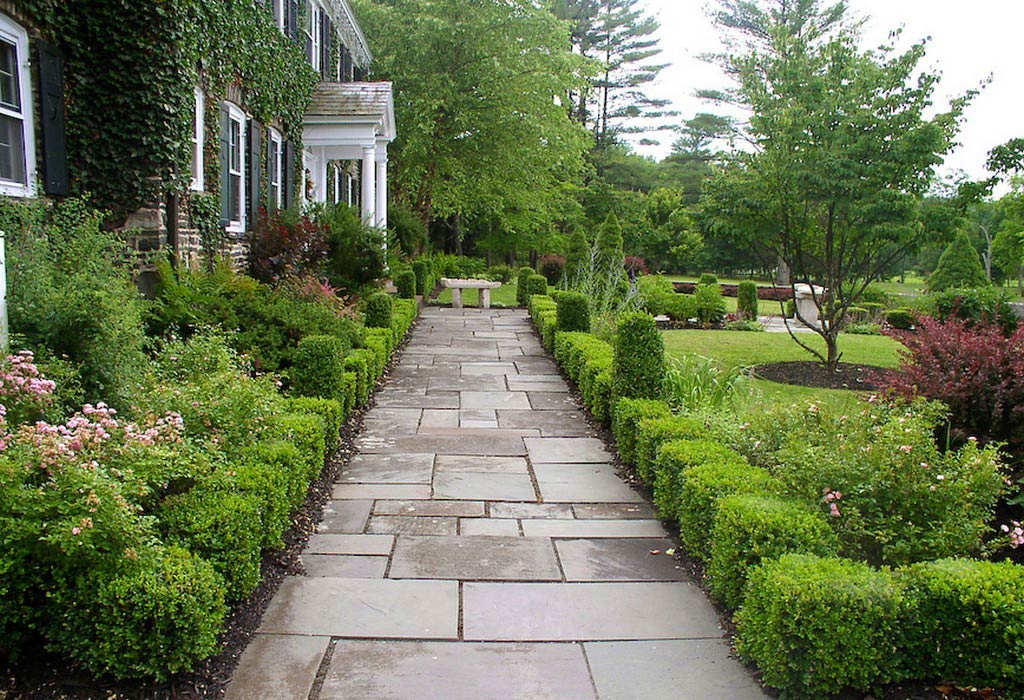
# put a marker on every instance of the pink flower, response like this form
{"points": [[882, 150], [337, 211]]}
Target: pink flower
{"points": [[833, 509], [906, 448], [76, 530]]}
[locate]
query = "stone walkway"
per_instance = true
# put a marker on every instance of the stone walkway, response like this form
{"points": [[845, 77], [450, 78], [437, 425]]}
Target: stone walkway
{"points": [[481, 546]]}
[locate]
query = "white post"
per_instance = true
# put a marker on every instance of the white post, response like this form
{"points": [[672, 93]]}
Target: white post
{"points": [[382, 192], [368, 173], [4, 333]]}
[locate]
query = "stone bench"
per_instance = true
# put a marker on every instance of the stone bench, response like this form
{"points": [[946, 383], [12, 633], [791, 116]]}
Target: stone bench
{"points": [[457, 285]]}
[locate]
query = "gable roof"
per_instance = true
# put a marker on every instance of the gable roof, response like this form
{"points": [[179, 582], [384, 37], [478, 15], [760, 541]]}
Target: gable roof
{"points": [[372, 101]]}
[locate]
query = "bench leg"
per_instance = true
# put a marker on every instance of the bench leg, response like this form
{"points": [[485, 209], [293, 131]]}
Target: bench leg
{"points": [[485, 298], [456, 298]]}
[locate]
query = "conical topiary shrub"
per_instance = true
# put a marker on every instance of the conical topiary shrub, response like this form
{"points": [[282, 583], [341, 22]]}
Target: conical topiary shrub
{"points": [[959, 267]]}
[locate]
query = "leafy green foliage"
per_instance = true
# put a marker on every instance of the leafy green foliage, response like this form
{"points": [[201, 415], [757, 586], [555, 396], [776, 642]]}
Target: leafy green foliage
{"points": [[959, 267], [626, 418], [709, 304], [985, 306], [900, 319], [405, 283], [500, 273], [536, 284], [695, 382], [608, 245], [751, 528], [653, 432], [421, 268], [577, 257], [573, 312], [356, 256], [816, 626], [746, 300], [318, 367], [708, 278], [588, 362], [639, 367], [378, 310]]}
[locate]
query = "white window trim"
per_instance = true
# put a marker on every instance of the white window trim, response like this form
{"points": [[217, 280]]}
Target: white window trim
{"points": [[16, 34], [313, 33], [278, 145], [277, 7], [237, 115], [198, 142]]}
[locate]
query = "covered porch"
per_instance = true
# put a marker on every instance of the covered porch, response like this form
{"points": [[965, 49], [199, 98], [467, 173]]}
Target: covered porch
{"points": [[346, 133]]}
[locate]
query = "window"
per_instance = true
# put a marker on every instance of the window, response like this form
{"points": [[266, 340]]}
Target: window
{"points": [[233, 165], [197, 141], [314, 36], [17, 137], [275, 164]]}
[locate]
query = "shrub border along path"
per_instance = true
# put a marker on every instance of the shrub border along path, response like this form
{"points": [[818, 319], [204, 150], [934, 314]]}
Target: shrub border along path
{"points": [[481, 545]]}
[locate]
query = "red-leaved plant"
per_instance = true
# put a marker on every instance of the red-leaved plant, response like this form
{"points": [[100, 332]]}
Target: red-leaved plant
{"points": [[976, 370], [285, 243]]}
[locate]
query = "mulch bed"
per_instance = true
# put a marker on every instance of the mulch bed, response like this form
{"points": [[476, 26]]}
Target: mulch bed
{"points": [[45, 676], [808, 373]]}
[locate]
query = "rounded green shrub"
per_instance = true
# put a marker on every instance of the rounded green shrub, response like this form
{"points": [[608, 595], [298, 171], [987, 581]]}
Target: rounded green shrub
{"points": [[750, 528], [967, 623], [158, 616], [816, 626], [653, 432], [421, 269], [573, 312], [708, 278], [377, 308], [266, 472], [356, 364], [746, 300], [709, 304], [626, 420], [500, 273], [639, 365], [536, 284], [959, 267], [523, 285], [680, 307], [900, 319], [331, 410], [405, 283], [790, 308], [318, 366]]}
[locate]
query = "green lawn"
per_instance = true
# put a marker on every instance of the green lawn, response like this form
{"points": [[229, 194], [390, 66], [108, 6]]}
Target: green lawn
{"points": [[505, 295], [743, 349]]}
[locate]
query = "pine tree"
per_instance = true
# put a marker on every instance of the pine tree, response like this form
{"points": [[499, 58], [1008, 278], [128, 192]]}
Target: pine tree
{"points": [[959, 267], [621, 36], [609, 245]]}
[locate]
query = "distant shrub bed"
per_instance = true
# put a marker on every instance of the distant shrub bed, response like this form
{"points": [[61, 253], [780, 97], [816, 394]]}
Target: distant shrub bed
{"points": [[843, 541]]}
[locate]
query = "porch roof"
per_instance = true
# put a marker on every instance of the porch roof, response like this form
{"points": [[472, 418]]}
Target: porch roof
{"points": [[346, 111]]}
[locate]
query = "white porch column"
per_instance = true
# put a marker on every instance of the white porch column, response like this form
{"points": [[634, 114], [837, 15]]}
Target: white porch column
{"points": [[368, 172], [382, 191]]}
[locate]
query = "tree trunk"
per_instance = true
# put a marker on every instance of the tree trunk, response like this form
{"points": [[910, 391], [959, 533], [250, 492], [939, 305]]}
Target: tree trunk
{"points": [[457, 233], [832, 343]]}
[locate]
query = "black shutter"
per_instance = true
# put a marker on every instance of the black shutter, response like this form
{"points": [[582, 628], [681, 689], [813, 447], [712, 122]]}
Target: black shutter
{"points": [[291, 19], [325, 47], [288, 174], [51, 109], [225, 166], [254, 184]]}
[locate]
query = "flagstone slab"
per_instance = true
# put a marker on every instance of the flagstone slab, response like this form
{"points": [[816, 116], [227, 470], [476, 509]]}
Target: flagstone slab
{"points": [[613, 511], [475, 559], [350, 544], [364, 608], [345, 516], [593, 528], [549, 384], [586, 611], [442, 441], [388, 469], [343, 566], [550, 400], [556, 423], [621, 559], [464, 463], [681, 669], [278, 667], [583, 483], [569, 450], [437, 399], [516, 400], [461, 509], [387, 421], [456, 671], [477, 382], [401, 492], [531, 510], [478, 486], [413, 525], [438, 418], [471, 369], [474, 527]]}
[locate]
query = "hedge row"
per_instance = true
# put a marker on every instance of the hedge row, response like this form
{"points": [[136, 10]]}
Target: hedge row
{"points": [[812, 622]]}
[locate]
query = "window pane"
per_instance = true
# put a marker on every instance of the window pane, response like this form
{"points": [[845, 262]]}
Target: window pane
{"points": [[235, 198], [12, 150], [10, 92], [236, 146]]}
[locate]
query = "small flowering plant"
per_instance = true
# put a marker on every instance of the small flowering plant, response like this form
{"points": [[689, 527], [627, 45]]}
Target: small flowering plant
{"points": [[24, 391]]}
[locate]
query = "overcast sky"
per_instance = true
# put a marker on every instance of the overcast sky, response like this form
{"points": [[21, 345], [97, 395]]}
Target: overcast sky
{"points": [[969, 42]]}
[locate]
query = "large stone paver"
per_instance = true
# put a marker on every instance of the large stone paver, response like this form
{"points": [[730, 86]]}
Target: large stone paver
{"points": [[446, 671], [480, 545]]}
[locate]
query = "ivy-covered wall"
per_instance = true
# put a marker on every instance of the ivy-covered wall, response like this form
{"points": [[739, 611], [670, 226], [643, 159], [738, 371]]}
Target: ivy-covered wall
{"points": [[130, 67]]}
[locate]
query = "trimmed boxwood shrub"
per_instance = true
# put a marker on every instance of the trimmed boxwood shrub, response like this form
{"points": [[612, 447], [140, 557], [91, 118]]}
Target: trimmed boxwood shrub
{"points": [[746, 300], [270, 472], [639, 365], [673, 461], [351, 383], [331, 410], [708, 278], [377, 308], [223, 527], [652, 432], [536, 284], [815, 626], [967, 623], [751, 528], [588, 362], [900, 319], [307, 434], [523, 285], [573, 312], [318, 366], [356, 364], [421, 270], [703, 486], [159, 615], [626, 423], [405, 283], [385, 334]]}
